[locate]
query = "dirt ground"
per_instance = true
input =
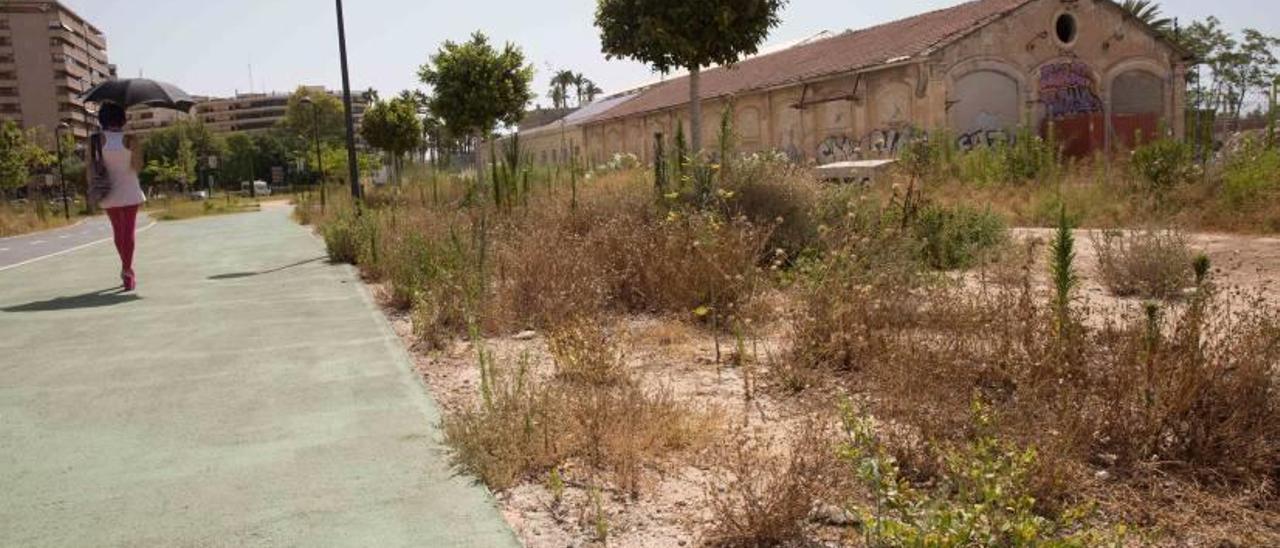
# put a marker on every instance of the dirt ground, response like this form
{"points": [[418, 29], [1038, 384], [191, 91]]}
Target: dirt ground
{"points": [[672, 511]]}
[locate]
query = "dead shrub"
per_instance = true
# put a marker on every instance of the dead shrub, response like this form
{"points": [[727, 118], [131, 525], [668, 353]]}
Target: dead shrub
{"points": [[763, 493], [1189, 392], [690, 261], [526, 427], [776, 195], [585, 352], [1153, 264]]}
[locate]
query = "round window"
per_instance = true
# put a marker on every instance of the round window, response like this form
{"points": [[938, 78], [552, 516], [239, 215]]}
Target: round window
{"points": [[1065, 28]]}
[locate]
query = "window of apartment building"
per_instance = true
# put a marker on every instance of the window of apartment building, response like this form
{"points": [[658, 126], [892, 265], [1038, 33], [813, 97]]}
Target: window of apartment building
{"points": [[8, 76], [9, 108], [5, 41], [6, 58]]}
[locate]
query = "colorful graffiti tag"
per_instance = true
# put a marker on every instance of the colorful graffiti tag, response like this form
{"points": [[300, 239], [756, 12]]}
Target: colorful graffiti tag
{"points": [[1067, 89], [876, 144]]}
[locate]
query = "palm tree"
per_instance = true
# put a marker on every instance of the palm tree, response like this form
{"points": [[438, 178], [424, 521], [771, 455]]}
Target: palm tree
{"points": [[1148, 12], [560, 83], [587, 90]]}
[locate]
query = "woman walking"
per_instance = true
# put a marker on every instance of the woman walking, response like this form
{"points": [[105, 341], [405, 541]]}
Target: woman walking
{"points": [[115, 169]]}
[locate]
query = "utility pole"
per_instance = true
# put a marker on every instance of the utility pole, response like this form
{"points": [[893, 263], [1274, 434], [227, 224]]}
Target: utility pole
{"points": [[1271, 114], [354, 168]]}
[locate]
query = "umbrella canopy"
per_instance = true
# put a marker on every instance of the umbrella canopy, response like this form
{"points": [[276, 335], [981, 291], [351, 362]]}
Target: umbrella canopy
{"points": [[132, 92]]}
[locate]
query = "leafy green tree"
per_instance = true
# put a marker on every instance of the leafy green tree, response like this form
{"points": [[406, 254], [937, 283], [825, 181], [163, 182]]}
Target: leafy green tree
{"points": [[393, 126], [241, 158], [1237, 68], [72, 162], [476, 86], [19, 155], [1148, 12], [163, 145], [300, 119], [674, 34]]}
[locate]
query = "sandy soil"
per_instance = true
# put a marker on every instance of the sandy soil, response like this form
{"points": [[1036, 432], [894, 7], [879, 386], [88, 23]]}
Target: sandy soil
{"points": [[672, 510]]}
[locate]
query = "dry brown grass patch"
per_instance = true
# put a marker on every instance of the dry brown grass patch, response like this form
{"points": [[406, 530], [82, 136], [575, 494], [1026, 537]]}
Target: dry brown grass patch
{"points": [[1152, 263]]}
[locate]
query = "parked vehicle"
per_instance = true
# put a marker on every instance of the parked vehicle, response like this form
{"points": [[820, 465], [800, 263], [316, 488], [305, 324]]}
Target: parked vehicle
{"points": [[260, 188], [199, 195]]}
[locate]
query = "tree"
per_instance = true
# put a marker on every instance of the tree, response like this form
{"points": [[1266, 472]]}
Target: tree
{"points": [[241, 158], [19, 156], [560, 84], [587, 90], [673, 34], [300, 119], [1148, 12], [475, 86], [163, 144], [1236, 68], [393, 126]]}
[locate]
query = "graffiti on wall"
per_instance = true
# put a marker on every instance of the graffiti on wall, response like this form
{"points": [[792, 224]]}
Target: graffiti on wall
{"points": [[983, 138], [1068, 88], [876, 144]]}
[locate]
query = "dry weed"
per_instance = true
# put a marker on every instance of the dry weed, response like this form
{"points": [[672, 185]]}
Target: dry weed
{"points": [[1152, 264], [762, 494]]}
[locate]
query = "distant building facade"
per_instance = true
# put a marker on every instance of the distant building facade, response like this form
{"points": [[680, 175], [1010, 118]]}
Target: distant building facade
{"points": [[245, 113], [1091, 73], [49, 56]]}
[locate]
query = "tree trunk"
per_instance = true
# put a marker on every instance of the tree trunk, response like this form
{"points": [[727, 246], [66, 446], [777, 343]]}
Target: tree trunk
{"points": [[695, 111]]}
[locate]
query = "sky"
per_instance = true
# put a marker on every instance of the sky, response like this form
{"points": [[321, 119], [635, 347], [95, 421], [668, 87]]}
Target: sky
{"points": [[208, 47]]}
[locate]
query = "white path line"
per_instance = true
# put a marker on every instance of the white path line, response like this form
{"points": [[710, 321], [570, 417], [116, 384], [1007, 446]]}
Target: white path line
{"points": [[65, 251], [37, 242]]}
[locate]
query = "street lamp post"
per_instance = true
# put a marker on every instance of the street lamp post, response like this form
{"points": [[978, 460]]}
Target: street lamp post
{"points": [[315, 118], [354, 168], [62, 174]]}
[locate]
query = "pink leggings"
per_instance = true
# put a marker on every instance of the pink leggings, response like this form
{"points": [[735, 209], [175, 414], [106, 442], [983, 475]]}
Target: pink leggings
{"points": [[123, 222]]}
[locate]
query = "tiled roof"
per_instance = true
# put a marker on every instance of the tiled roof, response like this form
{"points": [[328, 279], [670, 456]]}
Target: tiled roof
{"points": [[845, 52]]}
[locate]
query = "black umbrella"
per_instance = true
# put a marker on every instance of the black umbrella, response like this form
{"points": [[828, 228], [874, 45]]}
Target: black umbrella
{"points": [[140, 91]]}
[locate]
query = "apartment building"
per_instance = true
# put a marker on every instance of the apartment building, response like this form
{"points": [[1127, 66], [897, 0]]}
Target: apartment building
{"points": [[48, 57], [244, 113]]}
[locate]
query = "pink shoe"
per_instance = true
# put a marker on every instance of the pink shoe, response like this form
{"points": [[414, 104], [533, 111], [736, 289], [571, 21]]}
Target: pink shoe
{"points": [[130, 280]]}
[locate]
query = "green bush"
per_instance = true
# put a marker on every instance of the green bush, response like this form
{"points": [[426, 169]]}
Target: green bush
{"points": [[1163, 164], [344, 237], [956, 237], [982, 496], [1028, 157], [1250, 174]]}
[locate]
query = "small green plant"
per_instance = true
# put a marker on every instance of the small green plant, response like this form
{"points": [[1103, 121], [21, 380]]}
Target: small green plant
{"points": [[982, 497], [1062, 270], [344, 237], [957, 237], [600, 518], [1251, 175], [555, 484], [1200, 266], [1163, 164]]}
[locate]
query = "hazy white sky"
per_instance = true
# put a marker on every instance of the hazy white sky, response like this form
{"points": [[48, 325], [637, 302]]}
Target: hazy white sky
{"points": [[207, 46]]}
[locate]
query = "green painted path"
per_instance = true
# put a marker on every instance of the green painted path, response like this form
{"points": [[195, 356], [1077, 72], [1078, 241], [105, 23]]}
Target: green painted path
{"points": [[248, 394]]}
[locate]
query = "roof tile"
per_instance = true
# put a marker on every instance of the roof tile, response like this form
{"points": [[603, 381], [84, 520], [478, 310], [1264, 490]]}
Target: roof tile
{"points": [[845, 52]]}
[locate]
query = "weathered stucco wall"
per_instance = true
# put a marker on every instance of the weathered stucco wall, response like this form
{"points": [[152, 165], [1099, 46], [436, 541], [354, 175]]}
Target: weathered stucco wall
{"points": [[1109, 79]]}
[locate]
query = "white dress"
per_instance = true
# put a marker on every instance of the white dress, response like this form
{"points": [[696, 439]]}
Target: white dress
{"points": [[118, 159]]}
